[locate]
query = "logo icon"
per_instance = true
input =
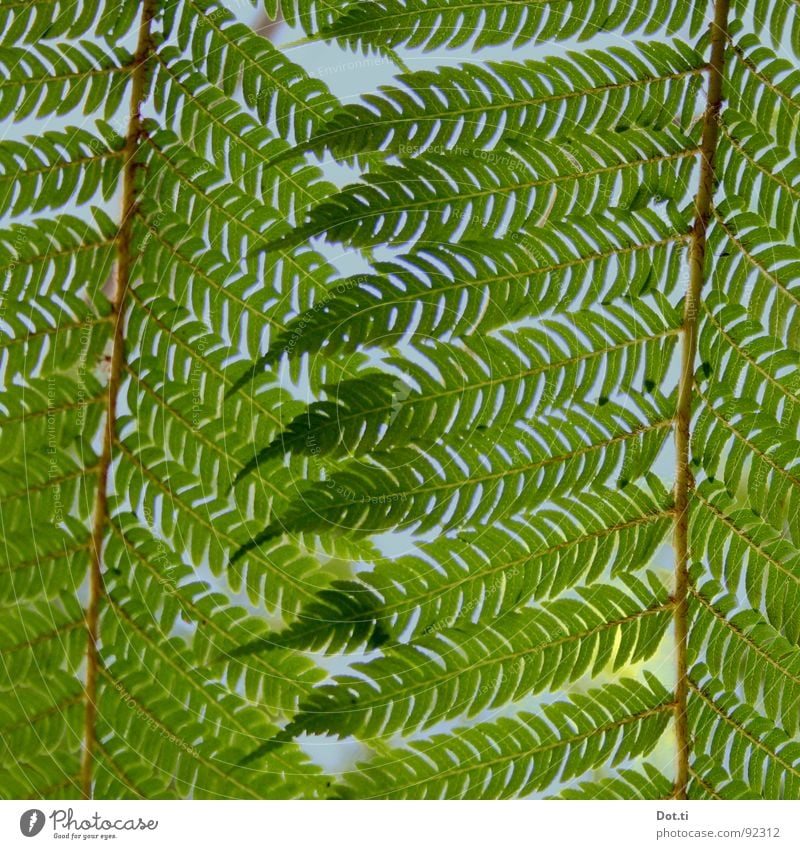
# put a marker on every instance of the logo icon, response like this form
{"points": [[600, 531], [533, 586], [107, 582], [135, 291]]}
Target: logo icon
{"points": [[31, 822]]}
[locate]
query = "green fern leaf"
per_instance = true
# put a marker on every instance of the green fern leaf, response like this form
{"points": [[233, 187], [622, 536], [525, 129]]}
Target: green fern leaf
{"points": [[565, 739]]}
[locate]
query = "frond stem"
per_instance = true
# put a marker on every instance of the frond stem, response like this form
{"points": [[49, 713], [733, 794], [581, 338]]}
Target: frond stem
{"points": [[684, 482], [144, 51]]}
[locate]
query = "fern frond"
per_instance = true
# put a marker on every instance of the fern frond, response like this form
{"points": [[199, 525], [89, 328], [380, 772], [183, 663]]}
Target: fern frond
{"points": [[473, 196], [435, 24], [440, 506], [744, 648], [42, 648], [218, 130], [142, 623], [228, 52], [484, 573], [136, 717], [515, 757], [756, 165], [708, 780], [467, 669], [471, 287], [478, 480], [57, 168], [461, 388], [37, 259], [45, 568], [757, 260], [476, 107], [752, 546], [30, 21], [190, 510], [194, 189], [762, 755], [738, 352], [183, 255], [187, 426], [738, 436], [311, 15], [763, 85], [647, 783], [58, 80], [778, 21]]}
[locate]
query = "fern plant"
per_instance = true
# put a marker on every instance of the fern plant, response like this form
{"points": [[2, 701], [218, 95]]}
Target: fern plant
{"points": [[514, 507]]}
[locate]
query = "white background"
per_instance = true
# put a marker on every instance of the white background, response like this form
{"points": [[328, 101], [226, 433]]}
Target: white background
{"points": [[415, 825]]}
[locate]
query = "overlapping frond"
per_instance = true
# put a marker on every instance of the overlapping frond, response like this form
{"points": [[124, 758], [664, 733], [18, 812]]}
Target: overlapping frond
{"points": [[442, 198], [475, 106], [515, 757], [435, 24], [484, 573], [479, 479], [470, 668], [51, 409], [229, 54], [460, 388], [446, 291]]}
